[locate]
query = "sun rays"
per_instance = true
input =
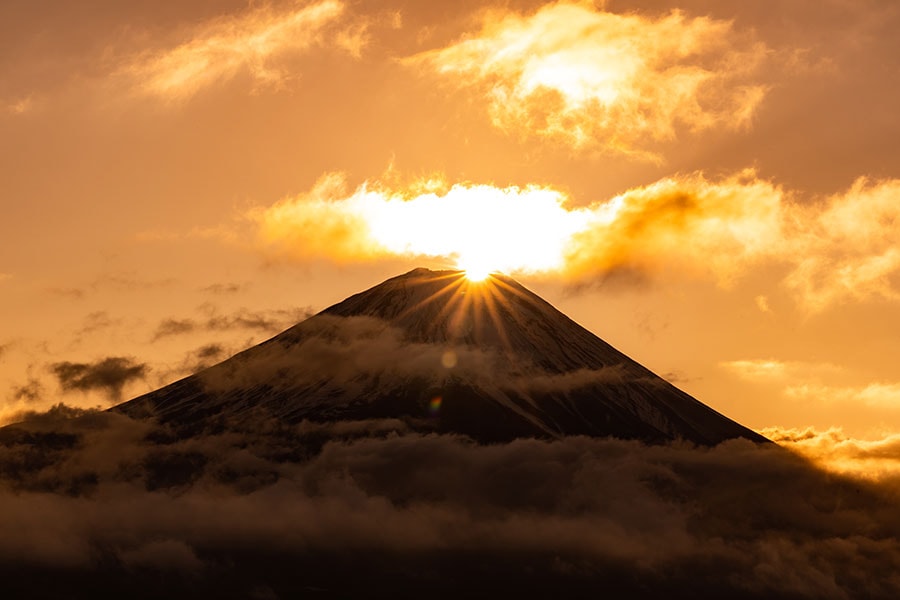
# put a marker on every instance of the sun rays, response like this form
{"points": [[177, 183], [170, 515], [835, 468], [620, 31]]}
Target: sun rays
{"points": [[473, 311]]}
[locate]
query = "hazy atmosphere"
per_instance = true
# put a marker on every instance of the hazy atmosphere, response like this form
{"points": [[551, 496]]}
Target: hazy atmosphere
{"points": [[711, 187]]}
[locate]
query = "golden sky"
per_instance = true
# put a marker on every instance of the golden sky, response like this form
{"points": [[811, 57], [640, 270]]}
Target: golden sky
{"points": [[713, 187]]}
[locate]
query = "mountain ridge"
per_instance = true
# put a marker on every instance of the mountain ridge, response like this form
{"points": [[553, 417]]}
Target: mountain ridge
{"points": [[490, 360]]}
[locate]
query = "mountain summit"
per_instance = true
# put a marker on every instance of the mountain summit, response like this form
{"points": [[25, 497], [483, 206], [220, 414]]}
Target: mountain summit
{"points": [[432, 349]]}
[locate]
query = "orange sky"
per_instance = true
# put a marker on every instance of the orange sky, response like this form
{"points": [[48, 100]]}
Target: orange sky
{"points": [[712, 187]]}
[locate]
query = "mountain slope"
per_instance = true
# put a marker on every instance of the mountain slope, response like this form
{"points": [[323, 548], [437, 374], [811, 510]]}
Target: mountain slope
{"points": [[490, 360]]}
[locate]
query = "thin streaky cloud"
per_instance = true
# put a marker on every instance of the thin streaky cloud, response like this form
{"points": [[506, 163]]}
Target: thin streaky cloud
{"points": [[254, 43]]}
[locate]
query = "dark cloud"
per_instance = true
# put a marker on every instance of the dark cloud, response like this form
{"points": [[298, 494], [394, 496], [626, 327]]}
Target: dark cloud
{"points": [[224, 288], [348, 508], [271, 321], [129, 282], [109, 375], [98, 320], [268, 321], [73, 293], [29, 392], [169, 327], [209, 352]]}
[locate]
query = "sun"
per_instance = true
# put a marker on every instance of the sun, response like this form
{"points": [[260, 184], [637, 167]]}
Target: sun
{"points": [[476, 270], [477, 273]]}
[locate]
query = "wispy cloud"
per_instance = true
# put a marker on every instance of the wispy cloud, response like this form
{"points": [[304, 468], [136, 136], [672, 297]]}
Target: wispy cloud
{"points": [[20, 106], [772, 370], [266, 321], [595, 79], [255, 43], [876, 395]]}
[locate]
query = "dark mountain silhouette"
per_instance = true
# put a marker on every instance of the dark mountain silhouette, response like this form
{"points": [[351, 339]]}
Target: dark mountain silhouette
{"points": [[488, 359]]}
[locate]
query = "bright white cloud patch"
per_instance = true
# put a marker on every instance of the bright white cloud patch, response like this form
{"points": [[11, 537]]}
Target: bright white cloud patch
{"points": [[477, 226], [689, 226], [598, 80], [833, 449]]}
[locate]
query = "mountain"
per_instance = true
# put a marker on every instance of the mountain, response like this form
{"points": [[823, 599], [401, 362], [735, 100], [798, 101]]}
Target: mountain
{"points": [[439, 352]]}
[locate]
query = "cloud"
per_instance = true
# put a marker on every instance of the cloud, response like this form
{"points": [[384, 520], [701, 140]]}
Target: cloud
{"points": [[224, 288], [849, 250], [98, 320], [30, 392], [70, 292], [169, 327], [20, 106], [257, 43], [875, 395], [261, 505], [109, 375], [128, 282], [472, 223], [194, 361], [870, 459], [267, 321], [685, 224], [594, 79], [837, 249], [772, 370]]}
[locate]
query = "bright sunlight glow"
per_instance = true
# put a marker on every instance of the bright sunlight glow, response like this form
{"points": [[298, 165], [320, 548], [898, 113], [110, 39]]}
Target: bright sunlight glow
{"points": [[475, 272], [482, 228]]}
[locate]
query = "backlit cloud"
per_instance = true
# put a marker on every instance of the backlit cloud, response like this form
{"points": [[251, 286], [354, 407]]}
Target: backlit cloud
{"points": [[504, 228], [687, 224], [849, 248], [771, 370], [594, 79], [833, 449], [254, 43], [839, 249], [20, 106], [875, 395]]}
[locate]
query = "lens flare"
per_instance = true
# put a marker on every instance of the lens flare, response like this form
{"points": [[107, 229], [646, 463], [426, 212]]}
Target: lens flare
{"points": [[434, 406]]}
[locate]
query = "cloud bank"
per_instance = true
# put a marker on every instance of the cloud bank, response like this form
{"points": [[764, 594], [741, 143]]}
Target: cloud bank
{"points": [[259, 507]]}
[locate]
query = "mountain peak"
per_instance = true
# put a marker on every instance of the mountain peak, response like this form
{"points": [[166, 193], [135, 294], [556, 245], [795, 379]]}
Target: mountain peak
{"points": [[496, 360]]}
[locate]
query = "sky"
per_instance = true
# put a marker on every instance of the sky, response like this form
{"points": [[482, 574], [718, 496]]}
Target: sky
{"points": [[711, 187]]}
